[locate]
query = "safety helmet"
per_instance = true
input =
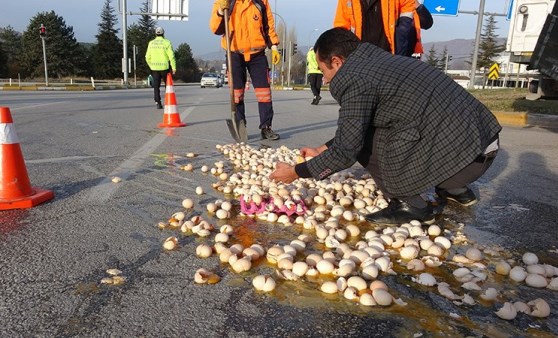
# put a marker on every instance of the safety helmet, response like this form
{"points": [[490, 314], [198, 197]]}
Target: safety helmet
{"points": [[159, 31]]}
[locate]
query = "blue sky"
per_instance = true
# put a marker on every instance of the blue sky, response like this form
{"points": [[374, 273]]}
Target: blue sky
{"points": [[309, 17]]}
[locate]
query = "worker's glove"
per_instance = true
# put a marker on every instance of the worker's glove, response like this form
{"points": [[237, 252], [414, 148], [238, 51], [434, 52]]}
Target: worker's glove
{"points": [[223, 4], [275, 56]]}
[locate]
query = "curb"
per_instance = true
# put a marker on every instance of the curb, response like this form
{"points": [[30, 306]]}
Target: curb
{"points": [[512, 119], [524, 120]]}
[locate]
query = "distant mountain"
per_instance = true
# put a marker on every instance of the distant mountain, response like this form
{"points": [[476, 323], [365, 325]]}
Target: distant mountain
{"points": [[459, 49], [213, 56]]}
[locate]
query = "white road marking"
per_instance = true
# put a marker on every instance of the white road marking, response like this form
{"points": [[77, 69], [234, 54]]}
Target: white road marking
{"points": [[105, 189], [37, 105]]}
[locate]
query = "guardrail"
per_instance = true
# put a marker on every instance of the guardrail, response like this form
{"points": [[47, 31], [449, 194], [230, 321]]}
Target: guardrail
{"points": [[74, 85]]}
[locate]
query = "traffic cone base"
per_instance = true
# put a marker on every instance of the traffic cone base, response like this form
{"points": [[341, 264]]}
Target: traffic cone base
{"points": [[171, 118], [15, 190], [39, 196]]}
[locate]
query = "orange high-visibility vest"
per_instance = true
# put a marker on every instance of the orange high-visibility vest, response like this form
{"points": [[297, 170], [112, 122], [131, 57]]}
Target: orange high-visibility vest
{"points": [[349, 16], [245, 27]]}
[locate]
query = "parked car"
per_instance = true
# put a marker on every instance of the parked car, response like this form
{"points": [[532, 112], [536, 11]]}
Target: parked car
{"points": [[210, 80]]}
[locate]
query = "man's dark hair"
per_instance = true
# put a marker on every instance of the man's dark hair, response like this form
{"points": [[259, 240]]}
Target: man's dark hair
{"points": [[335, 42]]}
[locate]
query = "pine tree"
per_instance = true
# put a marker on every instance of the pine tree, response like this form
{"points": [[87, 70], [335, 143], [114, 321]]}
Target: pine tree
{"points": [[108, 51], [64, 55], [442, 60], [431, 57], [11, 45], [139, 34], [187, 68], [3, 61], [489, 49]]}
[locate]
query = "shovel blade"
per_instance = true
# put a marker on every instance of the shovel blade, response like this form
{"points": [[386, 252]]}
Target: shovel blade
{"points": [[233, 130], [242, 133]]}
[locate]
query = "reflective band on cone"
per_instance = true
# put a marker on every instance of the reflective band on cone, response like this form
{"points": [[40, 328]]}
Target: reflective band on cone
{"points": [[171, 118], [15, 190]]}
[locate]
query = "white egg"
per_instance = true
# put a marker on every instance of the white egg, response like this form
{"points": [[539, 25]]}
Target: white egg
{"points": [[187, 203], [530, 258]]}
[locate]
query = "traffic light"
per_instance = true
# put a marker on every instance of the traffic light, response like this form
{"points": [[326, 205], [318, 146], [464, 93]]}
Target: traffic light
{"points": [[283, 54], [42, 31], [294, 48]]}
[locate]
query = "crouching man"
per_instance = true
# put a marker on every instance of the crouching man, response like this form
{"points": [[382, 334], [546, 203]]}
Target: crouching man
{"points": [[408, 124]]}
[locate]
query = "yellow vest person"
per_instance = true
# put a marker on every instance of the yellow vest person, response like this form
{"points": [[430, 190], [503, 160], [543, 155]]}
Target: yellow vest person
{"points": [[159, 57], [314, 75]]}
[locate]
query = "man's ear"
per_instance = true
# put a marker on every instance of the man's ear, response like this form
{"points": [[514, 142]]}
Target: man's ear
{"points": [[337, 61]]}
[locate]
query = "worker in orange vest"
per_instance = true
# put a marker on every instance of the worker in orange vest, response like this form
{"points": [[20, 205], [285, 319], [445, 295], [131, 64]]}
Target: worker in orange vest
{"points": [[387, 24], [252, 30]]}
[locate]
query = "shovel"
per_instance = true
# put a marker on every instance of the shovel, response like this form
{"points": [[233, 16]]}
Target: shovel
{"points": [[237, 129]]}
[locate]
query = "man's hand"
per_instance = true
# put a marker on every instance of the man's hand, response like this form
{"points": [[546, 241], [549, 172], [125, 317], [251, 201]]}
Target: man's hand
{"points": [[275, 56], [223, 4], [283, 173], [173, 72], [312, 152]]}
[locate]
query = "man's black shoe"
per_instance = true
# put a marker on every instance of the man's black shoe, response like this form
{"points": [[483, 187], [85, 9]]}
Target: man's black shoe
{"points": [[314, 102], [159, 105], [268, 134], [466, 198], [399, 212], [318, 98]]}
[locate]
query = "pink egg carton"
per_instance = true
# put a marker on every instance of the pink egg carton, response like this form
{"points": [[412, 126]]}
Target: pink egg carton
{"points": [[289, 207]]}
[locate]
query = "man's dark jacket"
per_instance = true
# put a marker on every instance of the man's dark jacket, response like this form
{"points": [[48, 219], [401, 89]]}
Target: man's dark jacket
{"points": [[428, 127]]}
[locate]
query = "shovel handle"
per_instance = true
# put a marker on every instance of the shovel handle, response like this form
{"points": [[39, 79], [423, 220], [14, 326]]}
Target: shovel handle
{"points": [[229, 62]]}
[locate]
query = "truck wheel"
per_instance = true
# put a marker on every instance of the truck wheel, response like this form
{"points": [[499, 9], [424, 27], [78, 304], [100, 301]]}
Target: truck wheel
{"points": [[533, 86]]}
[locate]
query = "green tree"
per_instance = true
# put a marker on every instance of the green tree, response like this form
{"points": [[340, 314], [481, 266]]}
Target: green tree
{"points": [[187, 68], [489, 48], [108, 51], [139, 34], [3, 62], [64, 56], [442, 61], [432, 58], [11, 45]]}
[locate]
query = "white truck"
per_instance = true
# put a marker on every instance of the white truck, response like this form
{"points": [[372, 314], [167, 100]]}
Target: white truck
{"points": [[532, 40]]}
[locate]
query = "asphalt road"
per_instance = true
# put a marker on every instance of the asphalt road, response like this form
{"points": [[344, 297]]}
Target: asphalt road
{"points": [[53, 256]]}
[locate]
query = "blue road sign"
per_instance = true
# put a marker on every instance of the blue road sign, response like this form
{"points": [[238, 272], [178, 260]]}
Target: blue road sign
{"points": [[510, 10], [442, 7]]}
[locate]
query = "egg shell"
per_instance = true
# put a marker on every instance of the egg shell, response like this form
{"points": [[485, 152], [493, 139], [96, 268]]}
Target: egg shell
{"points": [[382, 297]]}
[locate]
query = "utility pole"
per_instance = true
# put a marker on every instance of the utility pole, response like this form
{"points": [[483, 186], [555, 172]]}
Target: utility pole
{"points": [[42, 34], [289, 66], [283, 44], [477, 43], [135, 78], [446, 68], [125, 68]]}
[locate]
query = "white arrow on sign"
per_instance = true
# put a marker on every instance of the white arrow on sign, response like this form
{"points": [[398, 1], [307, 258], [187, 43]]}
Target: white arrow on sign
{"points": [[440, 9]]}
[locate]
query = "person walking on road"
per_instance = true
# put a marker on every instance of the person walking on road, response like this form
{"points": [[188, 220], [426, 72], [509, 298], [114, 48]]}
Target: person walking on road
{"points": [[159, 57], [252, 30], [411, 126], [314, 76], [385, 23]]}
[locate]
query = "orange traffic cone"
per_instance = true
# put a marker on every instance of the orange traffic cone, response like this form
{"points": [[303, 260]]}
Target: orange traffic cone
{"points": [[170, 117], [15, 190]]}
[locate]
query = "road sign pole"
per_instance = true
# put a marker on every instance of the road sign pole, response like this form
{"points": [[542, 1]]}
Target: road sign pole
{"points": [[477, 43], [45, 61]]}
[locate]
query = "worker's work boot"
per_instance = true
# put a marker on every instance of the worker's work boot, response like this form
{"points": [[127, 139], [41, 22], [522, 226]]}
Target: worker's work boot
{"points": [[399, 212], [159, 105], [268, 134]]}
